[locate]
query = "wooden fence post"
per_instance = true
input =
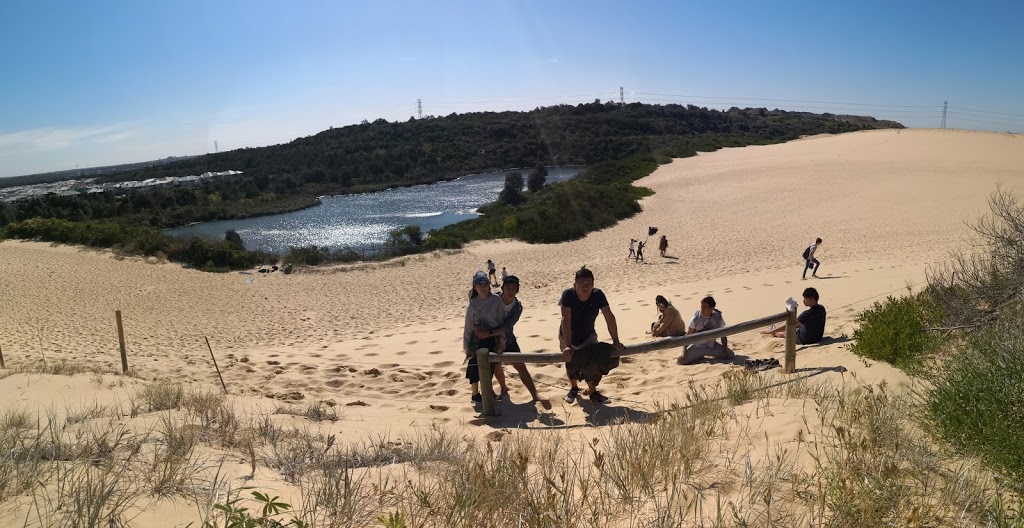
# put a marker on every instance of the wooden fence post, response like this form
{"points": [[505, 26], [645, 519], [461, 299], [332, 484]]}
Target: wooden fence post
{"points": [[120, 338], [2, 365], [791, 323], [483, 360]]}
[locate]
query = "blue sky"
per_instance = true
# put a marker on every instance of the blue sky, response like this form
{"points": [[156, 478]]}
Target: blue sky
{"points": [[95, 83]]}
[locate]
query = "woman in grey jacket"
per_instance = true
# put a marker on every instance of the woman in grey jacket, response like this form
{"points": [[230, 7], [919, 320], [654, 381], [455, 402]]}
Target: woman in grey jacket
{"points": [[484, 317]]}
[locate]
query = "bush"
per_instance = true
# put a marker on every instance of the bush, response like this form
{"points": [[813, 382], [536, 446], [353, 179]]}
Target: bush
{"points": [[894, 332], [977, 400]]}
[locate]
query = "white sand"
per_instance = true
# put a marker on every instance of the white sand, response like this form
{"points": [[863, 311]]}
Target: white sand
{"points": [[888, 205]]}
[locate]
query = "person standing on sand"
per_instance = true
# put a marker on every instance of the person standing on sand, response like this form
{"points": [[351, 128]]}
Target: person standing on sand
{"points": [[484, 317], [810, 261], [491, 273], [632, 249], [663, 245], [577, 336], [504, 275], [640, 252]]}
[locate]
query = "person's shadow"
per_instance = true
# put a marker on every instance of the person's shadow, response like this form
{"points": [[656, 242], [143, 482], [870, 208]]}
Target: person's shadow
{"points": [[521, 415]]}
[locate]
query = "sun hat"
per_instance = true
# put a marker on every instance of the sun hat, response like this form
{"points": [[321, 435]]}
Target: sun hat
{"points": [[480, 278]]}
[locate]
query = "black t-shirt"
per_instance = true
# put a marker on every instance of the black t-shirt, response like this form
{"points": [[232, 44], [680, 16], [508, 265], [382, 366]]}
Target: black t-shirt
{"points": [[813, 320], [584, 313]]}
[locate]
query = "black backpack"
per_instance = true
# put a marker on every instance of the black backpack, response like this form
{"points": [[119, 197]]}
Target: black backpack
{"points": [[807, 252]]}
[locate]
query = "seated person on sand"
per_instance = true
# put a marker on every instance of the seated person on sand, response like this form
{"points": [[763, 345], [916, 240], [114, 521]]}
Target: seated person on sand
{"points": [[669, 323], [585, 358], [810, 324], [706, 319]]}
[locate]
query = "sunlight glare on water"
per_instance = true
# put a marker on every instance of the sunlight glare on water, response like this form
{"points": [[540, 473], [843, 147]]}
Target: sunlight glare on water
{"points": [[364, 220]]}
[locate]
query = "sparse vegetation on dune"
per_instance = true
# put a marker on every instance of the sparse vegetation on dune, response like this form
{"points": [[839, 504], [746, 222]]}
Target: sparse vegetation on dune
{"points": [[962, 333], [859, 460]]}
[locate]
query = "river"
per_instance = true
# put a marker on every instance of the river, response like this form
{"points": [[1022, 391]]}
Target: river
{"points": [[364, 220]]}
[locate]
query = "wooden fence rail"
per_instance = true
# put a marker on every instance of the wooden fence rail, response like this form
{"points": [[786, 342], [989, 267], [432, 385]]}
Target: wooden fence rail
{"points": [[486, 357]]}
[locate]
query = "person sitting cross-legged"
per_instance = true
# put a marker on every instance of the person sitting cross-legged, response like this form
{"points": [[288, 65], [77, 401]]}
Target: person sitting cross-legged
{"points": [[706, 319]]}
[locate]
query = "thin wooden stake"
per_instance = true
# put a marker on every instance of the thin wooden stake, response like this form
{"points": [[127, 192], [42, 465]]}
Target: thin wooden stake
{"points": [[120, 338], [215, 365], [2, 365]]}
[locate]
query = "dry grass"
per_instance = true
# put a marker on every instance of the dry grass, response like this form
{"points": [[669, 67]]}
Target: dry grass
{"points": [[698, 461]]}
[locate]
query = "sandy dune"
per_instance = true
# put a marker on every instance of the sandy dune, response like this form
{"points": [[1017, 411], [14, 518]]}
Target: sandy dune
{"points": [[383, 339]]}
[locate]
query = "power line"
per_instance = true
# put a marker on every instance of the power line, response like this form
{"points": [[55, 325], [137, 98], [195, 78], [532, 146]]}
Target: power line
{"points": [[989, 119], [784, 100], [989, 122], [524, 99], [945, 106], [987, 112]]}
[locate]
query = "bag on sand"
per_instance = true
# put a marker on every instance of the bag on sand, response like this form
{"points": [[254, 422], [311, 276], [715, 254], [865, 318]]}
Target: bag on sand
{"points": [[807, 252]]}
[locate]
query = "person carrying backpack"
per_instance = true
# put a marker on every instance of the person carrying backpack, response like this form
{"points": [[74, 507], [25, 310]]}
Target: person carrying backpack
{"points": [[809, 261]]}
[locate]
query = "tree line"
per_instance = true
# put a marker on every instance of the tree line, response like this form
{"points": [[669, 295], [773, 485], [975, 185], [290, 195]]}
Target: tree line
{"points": [[381, 154]]}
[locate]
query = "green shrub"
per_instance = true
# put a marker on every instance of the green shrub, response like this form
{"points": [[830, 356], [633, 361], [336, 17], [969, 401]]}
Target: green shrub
{"points": [[977, 400], [894, 331]]}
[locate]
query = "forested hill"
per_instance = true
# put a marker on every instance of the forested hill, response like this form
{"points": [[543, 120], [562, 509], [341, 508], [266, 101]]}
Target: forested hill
{"points": [[384, 154]]}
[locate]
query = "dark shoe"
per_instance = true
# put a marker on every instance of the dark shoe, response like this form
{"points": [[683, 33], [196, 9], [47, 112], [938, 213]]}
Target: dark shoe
{"points": [[599, 398], [572, 395], [477, 398]]}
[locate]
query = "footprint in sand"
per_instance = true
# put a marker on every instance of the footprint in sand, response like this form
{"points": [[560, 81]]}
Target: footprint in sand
{"points": [[371, 354], [413, 342], [434, 352], [745, 288], [439, 408], [442, 364], [273, 362], [335, 383], [401, 353]]}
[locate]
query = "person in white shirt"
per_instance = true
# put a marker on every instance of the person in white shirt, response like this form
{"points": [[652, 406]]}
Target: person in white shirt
{"points": [[705, 319]]}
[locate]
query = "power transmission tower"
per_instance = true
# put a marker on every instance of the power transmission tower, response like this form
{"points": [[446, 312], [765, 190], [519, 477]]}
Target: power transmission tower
{"points": [[945, 105], [419, 109], [216, 149], [622, 99]]}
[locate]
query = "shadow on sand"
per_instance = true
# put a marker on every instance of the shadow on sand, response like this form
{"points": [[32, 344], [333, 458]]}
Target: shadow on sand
{"points": [[525, 415]]}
